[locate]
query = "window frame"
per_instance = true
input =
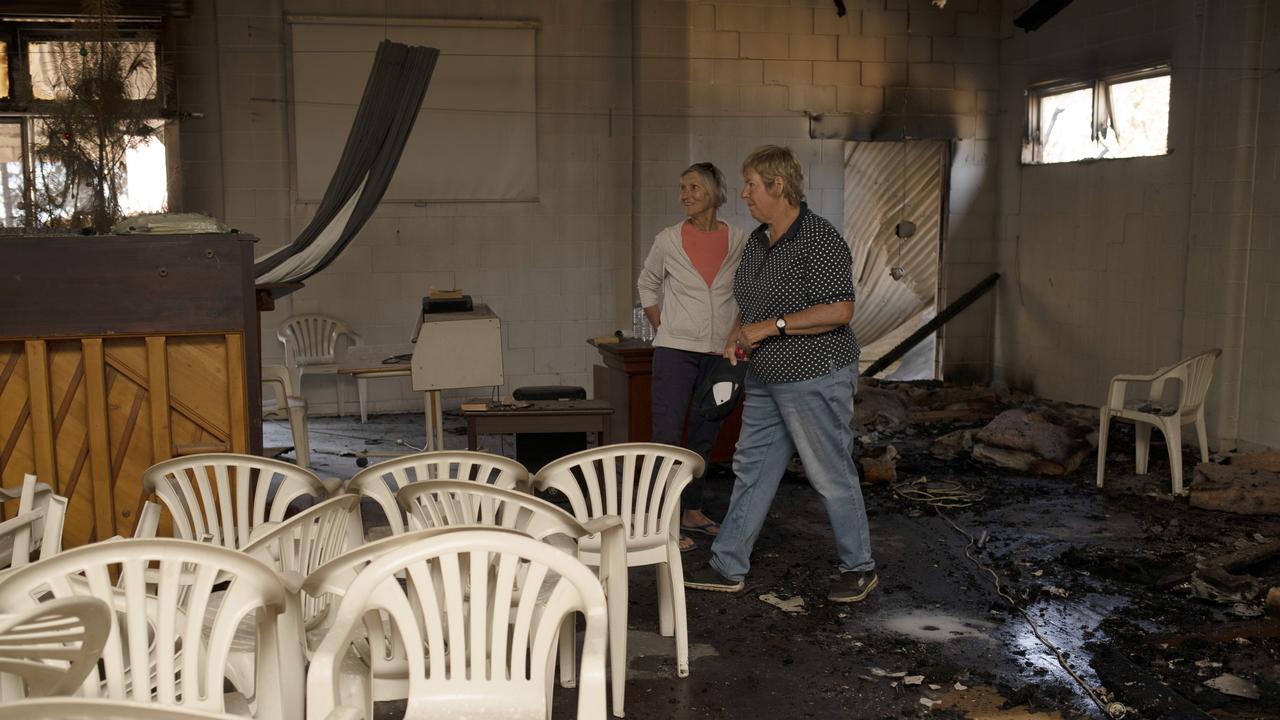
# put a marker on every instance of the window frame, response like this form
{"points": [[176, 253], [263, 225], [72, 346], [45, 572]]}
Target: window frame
{"points": [[23, 108], [1103, 115]]}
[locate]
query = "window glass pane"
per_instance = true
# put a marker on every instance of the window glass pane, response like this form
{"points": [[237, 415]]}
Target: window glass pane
{"points": [[1065, 123], [10, 174], [4, 70], [1141, 113], [57, 65], [61, 195], [146, 187]]}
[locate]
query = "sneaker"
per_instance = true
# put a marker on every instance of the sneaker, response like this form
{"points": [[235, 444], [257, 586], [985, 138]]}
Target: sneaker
{"points": [[853, 587], [705, 577]]}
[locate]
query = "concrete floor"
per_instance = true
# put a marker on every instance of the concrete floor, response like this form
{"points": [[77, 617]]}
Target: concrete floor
{"points": [[935, 613]]}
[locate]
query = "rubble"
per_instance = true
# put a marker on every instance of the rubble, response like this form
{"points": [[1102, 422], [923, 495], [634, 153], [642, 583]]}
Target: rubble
{"points": [[878, 409], [957, 443], [878, 465], [793, 605], [1241, 487], [1229, 684], [1041, 442]]}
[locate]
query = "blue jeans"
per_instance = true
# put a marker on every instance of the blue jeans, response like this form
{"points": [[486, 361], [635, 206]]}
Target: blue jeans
{"points": [[810, 417]]}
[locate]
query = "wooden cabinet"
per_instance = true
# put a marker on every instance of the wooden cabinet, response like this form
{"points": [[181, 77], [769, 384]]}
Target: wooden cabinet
{"points": [[117, 353], [626, 381]]}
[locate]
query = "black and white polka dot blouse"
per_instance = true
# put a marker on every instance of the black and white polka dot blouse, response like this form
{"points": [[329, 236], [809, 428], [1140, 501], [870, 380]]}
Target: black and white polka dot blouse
{"points": [[809, 265]]}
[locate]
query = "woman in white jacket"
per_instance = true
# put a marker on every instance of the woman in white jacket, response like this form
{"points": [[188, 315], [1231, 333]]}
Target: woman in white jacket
{"points": [[686, 289]]}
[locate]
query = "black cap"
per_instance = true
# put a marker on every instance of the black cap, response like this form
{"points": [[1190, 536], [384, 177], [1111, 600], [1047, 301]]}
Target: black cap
{"points": [[722, 389]]}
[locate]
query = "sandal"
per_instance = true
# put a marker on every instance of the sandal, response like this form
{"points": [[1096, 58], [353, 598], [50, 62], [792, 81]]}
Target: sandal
{"points": [[687, 543], [710, 528]]}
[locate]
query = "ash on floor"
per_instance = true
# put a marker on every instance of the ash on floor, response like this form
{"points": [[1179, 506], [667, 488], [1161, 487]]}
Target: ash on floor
{"points": [[1101, 573]]}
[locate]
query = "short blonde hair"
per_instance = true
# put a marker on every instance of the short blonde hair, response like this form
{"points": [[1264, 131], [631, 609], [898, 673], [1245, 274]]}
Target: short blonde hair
{"points": [[711, 175], [772, 162]]}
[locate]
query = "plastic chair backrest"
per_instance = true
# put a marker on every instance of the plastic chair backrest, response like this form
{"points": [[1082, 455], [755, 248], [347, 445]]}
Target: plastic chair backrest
{"points": [[312, 339], [450, 503], [381, 482], [70, 708], [224, 496], [305, 542], [1196, 373], [162, 594], [37, 525], [488, 637], [50, 649], [640, 482]]}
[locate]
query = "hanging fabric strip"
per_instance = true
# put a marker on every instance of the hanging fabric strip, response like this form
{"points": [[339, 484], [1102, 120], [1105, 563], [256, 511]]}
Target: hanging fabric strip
{"points": [[392, 98]]}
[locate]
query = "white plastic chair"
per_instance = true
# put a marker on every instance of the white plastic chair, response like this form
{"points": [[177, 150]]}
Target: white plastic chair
{"points": [[311, 348], [177, 606], [381, 482], [68, 708], [1193, 375], [36, 526], [284, 399], [641, 483], [50, 649], [453, 504], [474, 662], [305, 542], [224, 497], [379, 670]]}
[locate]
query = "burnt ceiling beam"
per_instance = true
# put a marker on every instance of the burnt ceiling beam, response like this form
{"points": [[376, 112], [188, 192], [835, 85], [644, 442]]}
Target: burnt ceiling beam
{"points": [[1039, 13]]}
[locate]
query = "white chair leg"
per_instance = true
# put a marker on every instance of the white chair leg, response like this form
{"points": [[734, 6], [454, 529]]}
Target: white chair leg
{"points": [[1142, 433], [1104, 424], [1173, 437], [1202, 435], [676, 567], [337, 392], [361, 386], [666, 623], [301, 439], [618, 649], [568, 651]]}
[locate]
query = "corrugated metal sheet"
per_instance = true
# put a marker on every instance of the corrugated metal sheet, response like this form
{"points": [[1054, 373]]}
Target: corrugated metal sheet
{"points": [[886, 182]]}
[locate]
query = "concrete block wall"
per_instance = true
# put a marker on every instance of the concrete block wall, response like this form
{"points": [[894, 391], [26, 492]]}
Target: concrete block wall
{"points": [[715, 80], [1128, 265], [556, 271]]}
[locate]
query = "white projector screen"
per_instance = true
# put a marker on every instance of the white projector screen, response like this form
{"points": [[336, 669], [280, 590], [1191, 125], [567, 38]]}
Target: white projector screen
{"points": [[475, 139]]}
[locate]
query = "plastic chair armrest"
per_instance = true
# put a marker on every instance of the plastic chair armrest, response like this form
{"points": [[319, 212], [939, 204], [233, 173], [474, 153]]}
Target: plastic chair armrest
{"points": [[602, 523], [345, 712]]}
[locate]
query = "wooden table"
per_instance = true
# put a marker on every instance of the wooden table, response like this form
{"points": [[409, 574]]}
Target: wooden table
{"points": [[545, 416], [365, 362]]}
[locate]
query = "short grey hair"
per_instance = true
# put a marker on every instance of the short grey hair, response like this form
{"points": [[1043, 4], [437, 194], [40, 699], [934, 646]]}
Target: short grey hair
{"points": [[772, 162], [713, 177]]}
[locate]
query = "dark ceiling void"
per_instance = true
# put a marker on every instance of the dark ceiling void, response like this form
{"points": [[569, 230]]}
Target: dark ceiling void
{"points": [[75, 8], [840, 11], [1039, 13]]}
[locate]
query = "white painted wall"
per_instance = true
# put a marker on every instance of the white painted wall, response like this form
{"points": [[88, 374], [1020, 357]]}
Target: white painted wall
{"points": [[712, 81]]}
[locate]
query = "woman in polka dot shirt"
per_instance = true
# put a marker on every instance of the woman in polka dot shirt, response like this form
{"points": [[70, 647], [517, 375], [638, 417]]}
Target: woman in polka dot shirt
{"points": [[794, 288]]}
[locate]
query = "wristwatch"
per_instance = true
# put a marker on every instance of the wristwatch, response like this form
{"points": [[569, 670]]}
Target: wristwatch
{"points": [[781, 324]]}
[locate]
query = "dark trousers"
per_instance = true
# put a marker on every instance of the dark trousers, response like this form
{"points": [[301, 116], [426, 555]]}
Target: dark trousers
{"points": [[676, 375]]}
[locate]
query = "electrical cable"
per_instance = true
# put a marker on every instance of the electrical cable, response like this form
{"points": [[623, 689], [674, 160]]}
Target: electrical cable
{"points": [[941, 495]]}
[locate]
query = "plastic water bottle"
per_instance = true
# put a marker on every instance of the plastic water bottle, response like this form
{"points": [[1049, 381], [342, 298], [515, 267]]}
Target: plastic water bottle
{"points": [[640, 328]]}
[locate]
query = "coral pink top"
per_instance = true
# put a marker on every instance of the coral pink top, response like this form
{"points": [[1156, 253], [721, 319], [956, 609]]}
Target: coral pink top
{"points": [[706, 250]]}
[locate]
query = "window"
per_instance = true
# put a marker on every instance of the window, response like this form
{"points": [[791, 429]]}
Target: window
{"points": [[47, 152], [1123, 115]]}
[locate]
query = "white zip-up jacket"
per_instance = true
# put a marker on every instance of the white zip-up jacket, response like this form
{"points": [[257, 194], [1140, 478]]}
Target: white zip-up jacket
{"points": [[695, 317]]}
